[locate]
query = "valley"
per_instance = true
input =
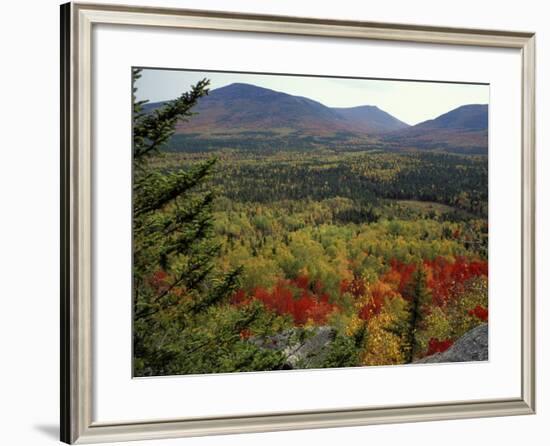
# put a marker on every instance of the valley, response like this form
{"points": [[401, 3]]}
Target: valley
{"points": [[345, 225]]}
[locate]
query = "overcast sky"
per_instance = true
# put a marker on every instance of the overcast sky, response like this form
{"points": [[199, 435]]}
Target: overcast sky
{"points": [[411, 102]]}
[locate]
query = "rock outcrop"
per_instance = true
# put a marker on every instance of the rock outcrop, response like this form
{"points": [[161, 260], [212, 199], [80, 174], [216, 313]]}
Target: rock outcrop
{"points": [[472, 346], [303, 348]]}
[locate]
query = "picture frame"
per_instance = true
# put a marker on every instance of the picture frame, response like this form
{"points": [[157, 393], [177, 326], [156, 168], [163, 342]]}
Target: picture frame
{"points": [[77, 233]]}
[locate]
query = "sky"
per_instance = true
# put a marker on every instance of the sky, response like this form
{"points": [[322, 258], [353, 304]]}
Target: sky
{"points": [[410, 101]]}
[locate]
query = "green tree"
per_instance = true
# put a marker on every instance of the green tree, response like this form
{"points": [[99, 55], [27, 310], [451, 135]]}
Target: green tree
{"points": [[182, 320], [418, 295]]}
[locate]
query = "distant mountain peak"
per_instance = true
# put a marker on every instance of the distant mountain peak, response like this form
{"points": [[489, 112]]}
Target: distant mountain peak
{"points": [[469, 116], [359, 107], [463, 129], [241, 86], [243, 90]]}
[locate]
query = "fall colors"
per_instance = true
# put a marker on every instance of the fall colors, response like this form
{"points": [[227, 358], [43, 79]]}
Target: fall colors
{"points": [[360, 240]]}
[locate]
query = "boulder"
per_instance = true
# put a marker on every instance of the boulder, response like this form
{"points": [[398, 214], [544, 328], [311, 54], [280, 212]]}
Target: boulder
{"points": [[303, 348], [472, 346]]}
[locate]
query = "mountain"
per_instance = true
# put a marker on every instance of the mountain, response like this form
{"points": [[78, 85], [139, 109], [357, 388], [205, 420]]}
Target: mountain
{"points": [[249, 117], [243, 107], [466, 117], [462, 130], [239, 107], [370, 119]]}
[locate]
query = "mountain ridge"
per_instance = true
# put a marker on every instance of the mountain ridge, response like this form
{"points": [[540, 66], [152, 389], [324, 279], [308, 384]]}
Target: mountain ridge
{"points": [[249, 107], [372, 118], [251, 114], [469, 116], [462, 129]]}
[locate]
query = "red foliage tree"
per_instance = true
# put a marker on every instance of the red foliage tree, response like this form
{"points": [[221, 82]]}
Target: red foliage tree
{"points": [[294, 298], [480, 312], [399, 275], [379, 293], [304, 299], [446, 279], [301, 282], [437, 346], [355, 287]]}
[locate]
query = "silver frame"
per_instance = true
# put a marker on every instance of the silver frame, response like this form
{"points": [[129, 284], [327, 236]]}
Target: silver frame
{"points": [[77, 21]]}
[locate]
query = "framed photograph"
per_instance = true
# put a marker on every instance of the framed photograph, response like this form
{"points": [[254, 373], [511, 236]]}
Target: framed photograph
{"points": [[274, 223]]}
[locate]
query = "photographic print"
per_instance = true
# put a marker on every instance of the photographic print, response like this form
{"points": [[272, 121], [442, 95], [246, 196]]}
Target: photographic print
{"points": [[288, 222]]}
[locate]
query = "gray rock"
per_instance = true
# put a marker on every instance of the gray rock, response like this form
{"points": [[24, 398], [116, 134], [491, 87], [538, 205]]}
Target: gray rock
{"points": [[472, 346], [303, 348]]}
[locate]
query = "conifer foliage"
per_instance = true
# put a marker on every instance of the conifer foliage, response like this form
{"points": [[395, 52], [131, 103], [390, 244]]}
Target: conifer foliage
{"points": [[181, 324]]}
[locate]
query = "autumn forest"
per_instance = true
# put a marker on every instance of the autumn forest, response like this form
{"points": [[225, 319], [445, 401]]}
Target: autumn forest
{"points": [[275, 243]]}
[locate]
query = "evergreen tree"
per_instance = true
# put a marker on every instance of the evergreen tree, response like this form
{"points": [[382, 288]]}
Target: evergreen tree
{"points": [[182, 322], [418, 295]]}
